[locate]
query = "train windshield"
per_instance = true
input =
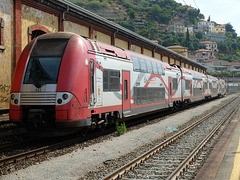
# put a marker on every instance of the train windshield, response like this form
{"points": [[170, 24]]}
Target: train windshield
{"points": [[44, 63]]}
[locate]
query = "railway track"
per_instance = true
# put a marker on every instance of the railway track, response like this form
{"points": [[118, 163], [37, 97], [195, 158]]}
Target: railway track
{"points": [[178, 155]]}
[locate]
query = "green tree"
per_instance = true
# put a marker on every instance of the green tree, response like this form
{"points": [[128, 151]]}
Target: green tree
{"points": [[131, 13], [199, 35], [209, 19], [229, 28], [187, 39]]}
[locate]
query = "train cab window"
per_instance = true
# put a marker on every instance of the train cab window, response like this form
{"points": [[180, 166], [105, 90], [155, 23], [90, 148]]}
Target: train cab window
{"points": [[155, 68], [136, 64], [111, 80], [149, 66], [143, 65], [44, 63]]}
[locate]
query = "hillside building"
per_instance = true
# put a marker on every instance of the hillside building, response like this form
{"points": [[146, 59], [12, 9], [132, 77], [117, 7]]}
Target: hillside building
{"points": [[220, 29], [210, 45], [206, 26]]}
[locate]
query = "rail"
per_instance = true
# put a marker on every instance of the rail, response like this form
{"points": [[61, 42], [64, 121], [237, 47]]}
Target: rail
{"points": [[129, 166]]}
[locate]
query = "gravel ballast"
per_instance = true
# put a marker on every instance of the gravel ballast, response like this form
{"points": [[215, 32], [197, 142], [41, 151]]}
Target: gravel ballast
{"points": [[74, 165]]}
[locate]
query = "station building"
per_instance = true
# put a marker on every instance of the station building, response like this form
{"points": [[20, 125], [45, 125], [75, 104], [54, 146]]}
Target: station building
{"points": [[23, 20]]}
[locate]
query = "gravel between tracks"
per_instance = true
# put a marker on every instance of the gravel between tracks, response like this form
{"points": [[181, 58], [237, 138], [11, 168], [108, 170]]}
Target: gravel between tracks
{"points": [[74, 165]]}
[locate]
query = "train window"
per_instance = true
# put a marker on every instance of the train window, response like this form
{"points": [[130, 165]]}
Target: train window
{"points": [[205, 85], [143, 65], [187, 84], [136, 64], [125, 90], [42, 70], [149, 66], [155, 68], [174, 82], [111, 80], [114, 78], [50, 47], [105, 80], [160, 68], [92, 76]]}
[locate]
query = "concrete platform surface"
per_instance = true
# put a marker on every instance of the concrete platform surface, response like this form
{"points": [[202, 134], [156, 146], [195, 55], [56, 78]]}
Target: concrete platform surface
{"points": [[224, 161]]}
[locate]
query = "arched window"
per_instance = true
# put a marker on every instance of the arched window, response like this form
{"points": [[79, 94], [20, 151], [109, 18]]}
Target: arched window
{"points": [[35, 31]]}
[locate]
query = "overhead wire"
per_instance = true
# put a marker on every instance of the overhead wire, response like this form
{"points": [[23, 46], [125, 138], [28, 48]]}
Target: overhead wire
{"points": [[195, 4], [185, 2]]}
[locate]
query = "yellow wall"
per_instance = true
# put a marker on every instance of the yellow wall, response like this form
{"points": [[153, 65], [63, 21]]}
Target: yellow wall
{"points": [[6, 56], [177, 62], [101, 37], [157, 56], [181, 50], [76, 28], [120, 43], [165, 59], [171, 61], [137, 49], [32, 16], [147, 52]]}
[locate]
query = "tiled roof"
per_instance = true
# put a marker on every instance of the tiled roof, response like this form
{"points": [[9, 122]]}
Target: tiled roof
{"points": [[211, 60], [204, 50], [191, 56], [234, 63]]}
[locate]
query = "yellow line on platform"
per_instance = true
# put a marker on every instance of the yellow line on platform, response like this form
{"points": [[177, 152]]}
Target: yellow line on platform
{"points": [[236, 166]]}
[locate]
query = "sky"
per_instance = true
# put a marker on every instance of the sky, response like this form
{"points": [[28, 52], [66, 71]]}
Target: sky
{"points": [[220, 11]]}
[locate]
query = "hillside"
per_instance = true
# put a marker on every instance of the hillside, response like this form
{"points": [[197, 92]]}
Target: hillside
{"points": [[152, 19]]}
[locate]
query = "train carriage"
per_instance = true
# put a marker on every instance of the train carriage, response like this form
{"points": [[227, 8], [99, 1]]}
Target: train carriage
{"points": [[63, 80]]}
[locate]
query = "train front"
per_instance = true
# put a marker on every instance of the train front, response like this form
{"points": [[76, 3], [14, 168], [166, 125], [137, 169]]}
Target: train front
{"points": [[50, 84]]}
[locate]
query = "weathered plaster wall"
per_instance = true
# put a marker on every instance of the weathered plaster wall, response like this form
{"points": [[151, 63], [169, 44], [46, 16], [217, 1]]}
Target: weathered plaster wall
{"points": [[165, 59], [32, 16], [99, 36], [121, 43], [76, 28], [6, 56], [157, 56], [147, 52], [136, 49]]}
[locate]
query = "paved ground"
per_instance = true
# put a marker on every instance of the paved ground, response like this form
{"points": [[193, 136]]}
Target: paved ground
{"points": [[75, 164], [224, 161]]}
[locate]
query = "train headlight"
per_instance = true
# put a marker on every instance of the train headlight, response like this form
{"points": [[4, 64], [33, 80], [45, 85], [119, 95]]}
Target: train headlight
{"points": [[15, 98], [59, 101], [63, 98], [15, 101], [12, 96]]}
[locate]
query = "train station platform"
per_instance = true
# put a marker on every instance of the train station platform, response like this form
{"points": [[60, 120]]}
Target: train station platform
{"points": [[224, 161]]}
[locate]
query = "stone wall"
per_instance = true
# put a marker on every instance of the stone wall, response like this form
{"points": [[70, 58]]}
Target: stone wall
{"points": [[6, 55]]}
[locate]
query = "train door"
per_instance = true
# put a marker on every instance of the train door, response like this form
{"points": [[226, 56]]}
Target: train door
{"points": [[170, 91], [191, 88], [126, 93], [99, 82]]}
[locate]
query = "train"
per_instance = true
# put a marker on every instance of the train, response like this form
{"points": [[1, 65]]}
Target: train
{"points": [[66, 81]]}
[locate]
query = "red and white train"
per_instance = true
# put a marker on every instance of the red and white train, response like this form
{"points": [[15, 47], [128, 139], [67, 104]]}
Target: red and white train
{"points": [[63, 80]]}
